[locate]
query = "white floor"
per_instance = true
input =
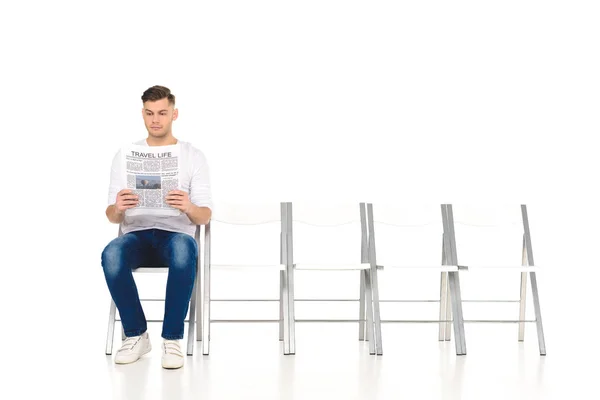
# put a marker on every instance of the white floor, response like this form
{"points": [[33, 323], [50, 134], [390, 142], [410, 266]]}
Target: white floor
{"points": [[53, 343], [246, 363]]}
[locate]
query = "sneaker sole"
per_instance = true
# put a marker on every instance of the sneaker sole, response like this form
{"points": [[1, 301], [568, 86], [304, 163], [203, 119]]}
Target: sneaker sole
{"points": [[166, 366]]}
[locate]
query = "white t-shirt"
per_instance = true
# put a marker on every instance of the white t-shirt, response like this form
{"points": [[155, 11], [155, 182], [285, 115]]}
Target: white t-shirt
{"points": [[194, 178]]}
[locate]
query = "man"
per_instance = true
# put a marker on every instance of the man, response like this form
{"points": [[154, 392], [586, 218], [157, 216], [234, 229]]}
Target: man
{"points": [[157, 240]]}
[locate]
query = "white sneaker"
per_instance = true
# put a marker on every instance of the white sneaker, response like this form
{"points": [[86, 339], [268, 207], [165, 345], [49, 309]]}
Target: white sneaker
{"points": [[172, 356], [133, 348]]}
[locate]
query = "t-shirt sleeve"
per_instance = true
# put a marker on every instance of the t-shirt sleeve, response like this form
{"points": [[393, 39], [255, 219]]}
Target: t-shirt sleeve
{"points": [[200, 192], [115, 185]]}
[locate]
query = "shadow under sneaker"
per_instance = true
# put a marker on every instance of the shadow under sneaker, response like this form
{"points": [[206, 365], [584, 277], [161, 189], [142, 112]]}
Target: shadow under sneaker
{"points": [[133, 348]]}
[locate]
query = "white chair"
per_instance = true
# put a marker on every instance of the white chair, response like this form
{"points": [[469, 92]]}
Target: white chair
{"points": [[317, 254], [488, 240], [192, 315], [414, 240], [261, 229]]}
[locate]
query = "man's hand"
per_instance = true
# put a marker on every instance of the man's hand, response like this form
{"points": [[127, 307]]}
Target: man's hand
{"points": [[125, 200], [180, 200]]}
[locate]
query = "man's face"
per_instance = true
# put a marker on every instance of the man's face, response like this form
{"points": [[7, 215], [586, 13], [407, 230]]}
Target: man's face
{"points": [[158, 117]]}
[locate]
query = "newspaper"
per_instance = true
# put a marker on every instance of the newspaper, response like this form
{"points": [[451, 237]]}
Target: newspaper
{"points": [[151, 172]]}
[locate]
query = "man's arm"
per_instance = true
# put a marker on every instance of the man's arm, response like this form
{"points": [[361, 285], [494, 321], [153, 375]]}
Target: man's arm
{"points": [[199, 215], [181, 200], [114, 215]]}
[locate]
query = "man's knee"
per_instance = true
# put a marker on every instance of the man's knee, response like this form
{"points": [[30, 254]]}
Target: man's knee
{"points": [[112, 257], [183, 251]]}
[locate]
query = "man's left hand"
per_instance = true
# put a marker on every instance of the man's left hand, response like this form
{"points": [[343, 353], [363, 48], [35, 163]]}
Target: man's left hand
{"points": [[180, 200]]}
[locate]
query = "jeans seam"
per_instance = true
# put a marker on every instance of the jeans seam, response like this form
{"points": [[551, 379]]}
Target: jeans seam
{"points": [[172, 337], [129, 333]]}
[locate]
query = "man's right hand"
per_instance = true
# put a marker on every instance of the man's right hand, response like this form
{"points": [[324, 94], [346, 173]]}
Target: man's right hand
{"points": [[125, 200]]}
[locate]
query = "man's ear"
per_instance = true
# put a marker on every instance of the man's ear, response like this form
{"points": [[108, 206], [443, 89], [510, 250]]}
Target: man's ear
{"points": [[175, 114]]}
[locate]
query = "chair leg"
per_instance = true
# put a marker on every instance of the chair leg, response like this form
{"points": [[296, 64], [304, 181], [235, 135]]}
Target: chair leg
{"points": [[448, 330], [376, 312], [454, 312], [288, 257], [292, 311], [443, 298], [461, 348], [445, 330], [528, 255], [538, 313], [361, 309], [281, 316], [369, 300], [523, 293], [206, 316], [286, 311], [199, 305], [111, 327], [522, 303], [192, 319]]}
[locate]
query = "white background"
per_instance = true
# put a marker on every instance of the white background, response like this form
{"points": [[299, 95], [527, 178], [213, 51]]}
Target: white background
{"points": [[469, 101]]}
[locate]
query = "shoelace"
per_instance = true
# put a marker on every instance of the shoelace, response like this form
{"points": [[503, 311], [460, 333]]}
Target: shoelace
{"points": [[129, 343], [172, 347]]}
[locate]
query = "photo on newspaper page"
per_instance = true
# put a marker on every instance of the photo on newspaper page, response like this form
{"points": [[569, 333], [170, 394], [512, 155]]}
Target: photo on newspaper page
{"points": [[151, 172]]}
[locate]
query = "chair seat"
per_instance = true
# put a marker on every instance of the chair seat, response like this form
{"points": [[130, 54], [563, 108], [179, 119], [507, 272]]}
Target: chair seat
{"points": [[333, 267], [440, 268], [151, 269], [280, 267], [511, 268]]}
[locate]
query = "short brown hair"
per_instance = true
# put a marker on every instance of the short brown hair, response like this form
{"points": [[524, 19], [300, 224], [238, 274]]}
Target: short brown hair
{"points": [[158, 93]]}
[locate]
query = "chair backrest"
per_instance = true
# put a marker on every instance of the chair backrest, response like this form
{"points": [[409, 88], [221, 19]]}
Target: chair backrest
{"points": [[328, 236], [408, 234], [326, 233], [246, 234], [246, 213], [489, 235]]}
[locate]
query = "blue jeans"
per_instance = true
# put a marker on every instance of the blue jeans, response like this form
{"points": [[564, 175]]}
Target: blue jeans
{"points": [[152, 248]]}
